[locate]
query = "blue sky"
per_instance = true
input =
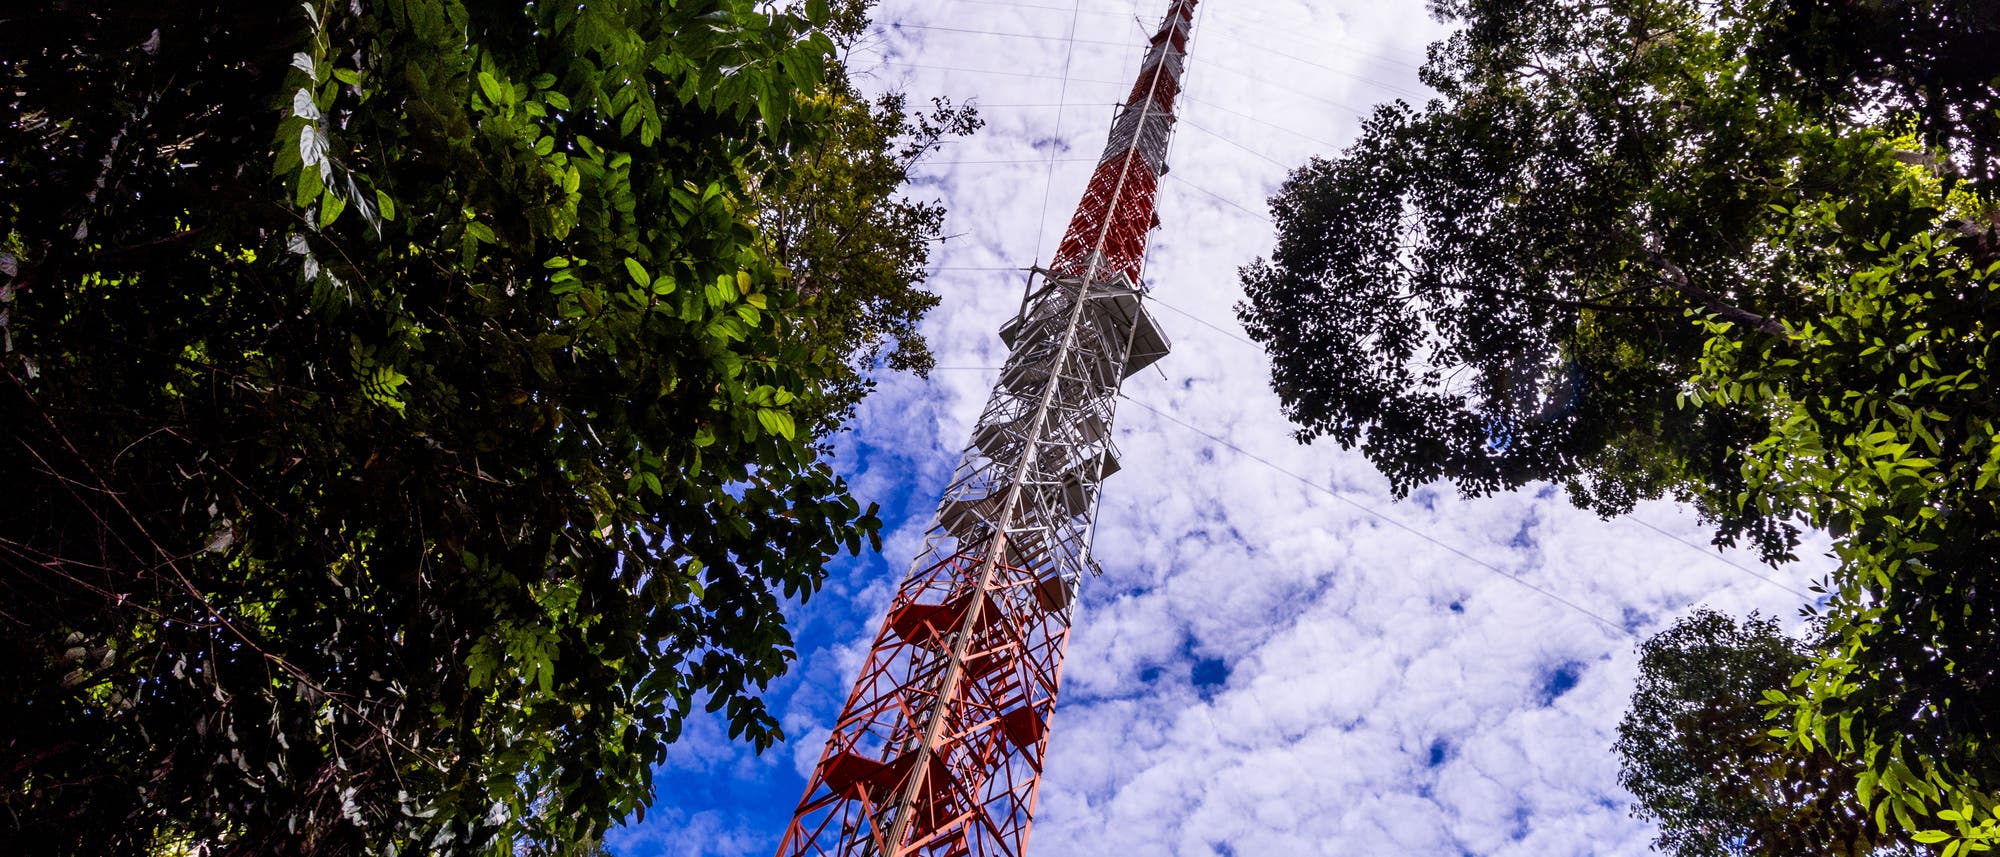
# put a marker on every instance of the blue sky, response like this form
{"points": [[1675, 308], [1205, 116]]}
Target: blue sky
{"points": [[1279, 658]]}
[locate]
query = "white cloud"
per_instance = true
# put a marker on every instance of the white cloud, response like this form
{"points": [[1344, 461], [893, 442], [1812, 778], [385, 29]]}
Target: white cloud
{"points": [[1363, 690], [669, 833]]}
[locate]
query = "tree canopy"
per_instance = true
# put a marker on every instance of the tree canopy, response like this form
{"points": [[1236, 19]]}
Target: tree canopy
{"points": [[411, 409], [1492, 290], [1743, 254], [1699, 759], [854, 248]]}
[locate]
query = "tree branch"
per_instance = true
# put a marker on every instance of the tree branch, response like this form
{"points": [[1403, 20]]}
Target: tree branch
{"points": [[1564, 303], [1672, 275]]}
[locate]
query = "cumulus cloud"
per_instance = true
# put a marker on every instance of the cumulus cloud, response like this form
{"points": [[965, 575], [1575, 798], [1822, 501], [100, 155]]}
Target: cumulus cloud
{"points": [[1279, 658]]}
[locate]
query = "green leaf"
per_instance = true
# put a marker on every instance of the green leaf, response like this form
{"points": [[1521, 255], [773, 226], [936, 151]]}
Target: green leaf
{"points": [[491, 88], [776, 422], [309, 187], [385, 206], [638, 272], [330, 207]]}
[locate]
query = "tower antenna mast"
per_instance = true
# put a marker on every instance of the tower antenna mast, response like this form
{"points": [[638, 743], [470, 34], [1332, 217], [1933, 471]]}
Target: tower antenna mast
{"points": [[940, 747]]}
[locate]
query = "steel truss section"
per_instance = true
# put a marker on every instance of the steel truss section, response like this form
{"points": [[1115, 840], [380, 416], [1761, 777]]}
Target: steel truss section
{"points": [[939, 749], [1110, 225]]}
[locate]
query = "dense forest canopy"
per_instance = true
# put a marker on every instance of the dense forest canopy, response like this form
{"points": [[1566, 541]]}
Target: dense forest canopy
{"points": [[1739, 253], [414, 407]]}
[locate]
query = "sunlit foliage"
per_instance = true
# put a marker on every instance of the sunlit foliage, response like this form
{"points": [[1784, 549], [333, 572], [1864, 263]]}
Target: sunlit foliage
{"points": [[410, 411]]}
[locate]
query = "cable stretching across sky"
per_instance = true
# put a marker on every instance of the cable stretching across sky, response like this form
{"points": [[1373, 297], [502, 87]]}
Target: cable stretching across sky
{"points": [[940, 748]]}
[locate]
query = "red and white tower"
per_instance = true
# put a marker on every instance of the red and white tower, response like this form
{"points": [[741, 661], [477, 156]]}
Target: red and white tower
{"points": [[939, 750]]}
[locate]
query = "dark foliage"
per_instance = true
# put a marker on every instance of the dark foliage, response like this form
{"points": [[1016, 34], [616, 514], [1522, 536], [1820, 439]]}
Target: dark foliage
{"points": [[1494, 290], [1699, 759], [407, 417], [1740, 254]]}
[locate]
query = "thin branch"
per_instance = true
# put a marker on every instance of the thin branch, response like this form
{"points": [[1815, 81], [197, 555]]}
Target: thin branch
{"points": [[169, 561], [1560, 302], [1672, 275]]}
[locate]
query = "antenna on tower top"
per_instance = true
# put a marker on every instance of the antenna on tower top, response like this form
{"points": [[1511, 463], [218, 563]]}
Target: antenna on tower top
{"points": [[940, 748]]}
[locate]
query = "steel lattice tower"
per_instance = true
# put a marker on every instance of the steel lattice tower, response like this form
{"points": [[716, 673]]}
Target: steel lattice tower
{"points": [[940, 747]]}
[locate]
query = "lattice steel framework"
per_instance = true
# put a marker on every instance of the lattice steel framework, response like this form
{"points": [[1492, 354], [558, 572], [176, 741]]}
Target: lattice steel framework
{"points": [[940, 747]]}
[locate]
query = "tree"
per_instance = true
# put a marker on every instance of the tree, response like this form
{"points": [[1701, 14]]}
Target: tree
{"points": [[1698, 757], [1879, 424], [1649, 249], [410, 416], [856, 249], [1493, 290]]}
